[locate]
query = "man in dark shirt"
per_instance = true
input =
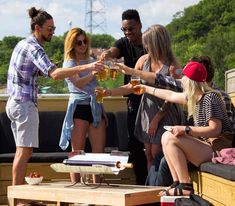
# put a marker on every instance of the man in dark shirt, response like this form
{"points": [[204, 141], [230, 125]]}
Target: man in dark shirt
{"points": [[131, 48]]}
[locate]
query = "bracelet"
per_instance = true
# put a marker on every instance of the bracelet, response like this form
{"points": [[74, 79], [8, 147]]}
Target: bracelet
{"points": [[154, 91], [109, 92]]}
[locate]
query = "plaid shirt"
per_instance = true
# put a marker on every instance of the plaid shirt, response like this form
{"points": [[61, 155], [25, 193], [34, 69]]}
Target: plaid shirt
{"points": [[167, 82], [28, 58]]}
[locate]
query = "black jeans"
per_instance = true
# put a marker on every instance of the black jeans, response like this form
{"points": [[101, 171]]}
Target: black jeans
{"points": [[159, 173], [137, 154]]}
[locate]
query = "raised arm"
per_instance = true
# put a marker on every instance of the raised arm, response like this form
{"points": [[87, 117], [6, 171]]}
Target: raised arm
{"points": [[120, 91], [112, 52], [82, 81], [170, 96], [147, 76], [61, 73]]}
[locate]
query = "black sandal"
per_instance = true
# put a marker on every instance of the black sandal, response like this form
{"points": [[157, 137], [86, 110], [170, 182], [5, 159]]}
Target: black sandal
{"points": [[178, 190], [173, 185]]}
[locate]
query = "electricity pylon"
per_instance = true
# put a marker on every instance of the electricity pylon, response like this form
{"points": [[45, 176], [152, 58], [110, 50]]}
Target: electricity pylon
{"points": [[95, 19]]}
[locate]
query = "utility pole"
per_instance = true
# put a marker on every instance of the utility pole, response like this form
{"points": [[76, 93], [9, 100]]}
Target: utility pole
{"points": [[95, 19]]}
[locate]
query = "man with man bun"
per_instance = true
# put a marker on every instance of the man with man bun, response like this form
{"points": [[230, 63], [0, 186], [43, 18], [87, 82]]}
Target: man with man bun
{"points": [[28, 60]]}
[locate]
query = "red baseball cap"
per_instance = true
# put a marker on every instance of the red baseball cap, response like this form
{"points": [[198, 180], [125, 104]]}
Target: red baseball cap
{"points": [[195, 71]]}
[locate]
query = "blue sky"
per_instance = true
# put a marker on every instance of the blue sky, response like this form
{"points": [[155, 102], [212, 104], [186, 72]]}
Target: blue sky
{"points": [[14, 18]]}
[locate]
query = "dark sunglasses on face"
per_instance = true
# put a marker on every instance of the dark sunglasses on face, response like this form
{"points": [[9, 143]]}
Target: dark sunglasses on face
{"points": [[125, 29], [51, 28], [80, 42]]}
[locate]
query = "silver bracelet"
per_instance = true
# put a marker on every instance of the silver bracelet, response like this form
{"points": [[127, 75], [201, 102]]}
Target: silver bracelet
{"points": [[154, 91]]}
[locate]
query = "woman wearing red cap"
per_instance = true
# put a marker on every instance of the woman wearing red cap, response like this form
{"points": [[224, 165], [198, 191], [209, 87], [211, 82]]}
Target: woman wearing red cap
{"points": [[183, 143]]}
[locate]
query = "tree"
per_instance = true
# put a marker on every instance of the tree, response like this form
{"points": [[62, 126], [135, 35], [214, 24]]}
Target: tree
{"points": [[101, 41], [206, 29]]}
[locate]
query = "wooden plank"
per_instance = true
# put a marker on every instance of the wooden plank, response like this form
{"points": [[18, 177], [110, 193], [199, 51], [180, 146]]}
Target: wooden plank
{"points": [[214, 202], [3, 187], [117, 195], [3, 200], [126, 176], [43, 168], [11, 201], [60, 102], [5, 171], [217, 190]]}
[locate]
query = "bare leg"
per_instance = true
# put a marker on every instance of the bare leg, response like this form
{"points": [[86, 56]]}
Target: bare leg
{"points": [[148, 155], [180, 162], [19, 167], [178, 150], [78, 141], [20, 162], [151, 150], [169, 162], [97, 137]]}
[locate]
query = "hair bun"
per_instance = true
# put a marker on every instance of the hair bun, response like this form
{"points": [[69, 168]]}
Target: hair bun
{"points": [[33, 12]]}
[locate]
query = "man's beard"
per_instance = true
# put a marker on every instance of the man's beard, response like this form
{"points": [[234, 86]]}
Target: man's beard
{"points": [[48, 39]]}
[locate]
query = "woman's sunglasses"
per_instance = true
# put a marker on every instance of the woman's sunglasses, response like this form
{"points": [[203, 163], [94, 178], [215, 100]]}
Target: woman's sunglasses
{"points": [[80, 42]]}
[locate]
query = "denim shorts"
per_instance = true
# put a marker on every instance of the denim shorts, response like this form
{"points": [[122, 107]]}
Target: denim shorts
{"points": [[24, 122]]}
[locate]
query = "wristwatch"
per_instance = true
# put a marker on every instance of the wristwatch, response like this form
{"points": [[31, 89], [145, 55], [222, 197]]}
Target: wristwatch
{"points": [[187, 129]]}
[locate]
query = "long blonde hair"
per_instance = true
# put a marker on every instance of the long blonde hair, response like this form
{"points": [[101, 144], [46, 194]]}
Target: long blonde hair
{"points": [[70, 43], [192, 89], [157, 41]]}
